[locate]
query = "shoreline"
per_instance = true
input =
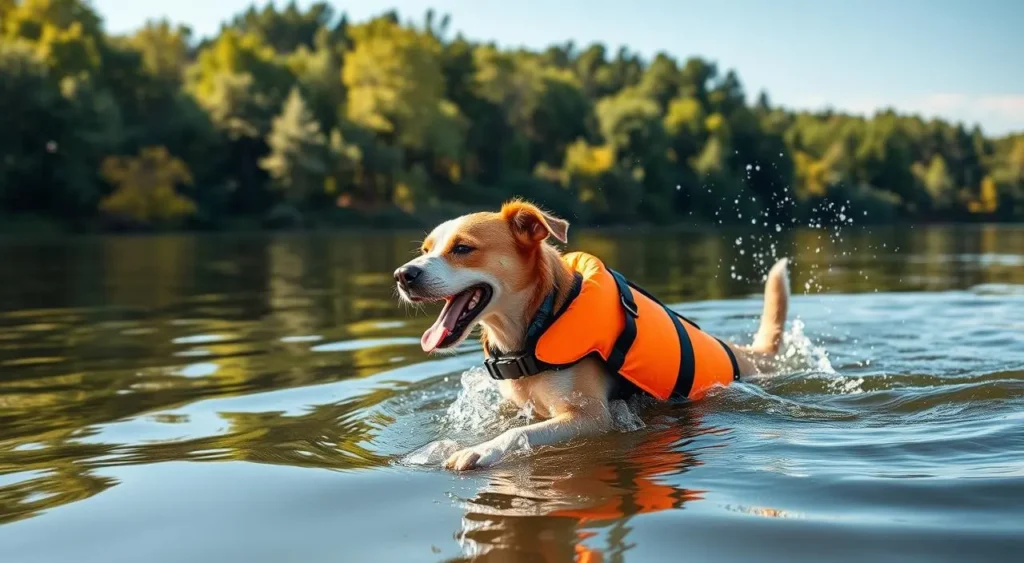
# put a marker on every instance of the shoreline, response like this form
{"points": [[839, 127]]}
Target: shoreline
{"points": [[61, 231]]}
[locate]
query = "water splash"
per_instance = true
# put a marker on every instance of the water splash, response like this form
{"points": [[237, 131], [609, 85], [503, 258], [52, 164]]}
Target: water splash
{"points": [[799, 353], [477, 407], [625, 417], [846, 385], [479, 413], [433, 454]]}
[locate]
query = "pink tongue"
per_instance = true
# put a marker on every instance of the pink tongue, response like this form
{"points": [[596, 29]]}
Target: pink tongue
{"points": [[445, 323]]}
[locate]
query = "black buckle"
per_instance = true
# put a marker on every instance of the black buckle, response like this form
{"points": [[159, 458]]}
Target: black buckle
{"points": [[625, 295], [511, 367], [630, 306]]}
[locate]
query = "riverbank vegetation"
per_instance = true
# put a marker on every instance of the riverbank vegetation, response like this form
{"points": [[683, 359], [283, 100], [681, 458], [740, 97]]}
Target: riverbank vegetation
{"points": [[292, 117]]}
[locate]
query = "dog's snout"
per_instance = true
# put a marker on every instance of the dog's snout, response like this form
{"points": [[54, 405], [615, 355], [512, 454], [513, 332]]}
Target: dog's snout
{"points": [[406, 276]]}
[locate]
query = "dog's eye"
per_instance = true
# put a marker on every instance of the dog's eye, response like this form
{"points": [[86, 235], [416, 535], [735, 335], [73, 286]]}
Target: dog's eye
{"points": [[462, 249]]}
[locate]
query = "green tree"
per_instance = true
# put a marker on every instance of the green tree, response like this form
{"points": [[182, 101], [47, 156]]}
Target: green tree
{"points": [[164, 49], [55, 131], [145, 188], [241, 81], [661, 81], [297, 162], [65, 33], [395, 86], [293, 107], [317, 71], [938, 183], [290, 28], [394, 81]]}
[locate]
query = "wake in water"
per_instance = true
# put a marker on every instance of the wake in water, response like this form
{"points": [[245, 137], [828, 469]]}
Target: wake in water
{"points": [[475, 415], [479, 412]]}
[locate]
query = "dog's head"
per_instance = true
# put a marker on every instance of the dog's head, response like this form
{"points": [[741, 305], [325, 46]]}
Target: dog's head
{"points": [[483, 266]]}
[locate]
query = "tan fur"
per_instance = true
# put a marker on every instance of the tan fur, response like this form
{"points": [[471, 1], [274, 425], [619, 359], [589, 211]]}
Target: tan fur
{"points": [[511, 247]]}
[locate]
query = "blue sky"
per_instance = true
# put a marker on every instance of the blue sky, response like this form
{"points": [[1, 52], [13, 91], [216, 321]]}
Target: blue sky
{"points": [[958, 59]]}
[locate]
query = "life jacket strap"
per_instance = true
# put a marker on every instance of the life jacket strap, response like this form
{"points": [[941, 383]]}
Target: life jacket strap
{"points": [[516, 366], [625, 340], [525, 363]]}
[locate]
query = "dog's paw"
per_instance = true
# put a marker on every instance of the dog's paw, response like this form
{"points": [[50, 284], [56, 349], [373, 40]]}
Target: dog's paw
{"points": [[473, 458]]}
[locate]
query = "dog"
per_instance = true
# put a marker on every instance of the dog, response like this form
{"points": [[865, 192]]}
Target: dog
{"points": [[499, 271]]}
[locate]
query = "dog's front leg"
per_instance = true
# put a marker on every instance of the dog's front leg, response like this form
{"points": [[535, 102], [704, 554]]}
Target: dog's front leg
{"points": [[575, 422]]}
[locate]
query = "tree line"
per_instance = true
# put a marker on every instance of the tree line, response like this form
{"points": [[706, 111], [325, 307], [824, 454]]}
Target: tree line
{"points": [[291, 117]]}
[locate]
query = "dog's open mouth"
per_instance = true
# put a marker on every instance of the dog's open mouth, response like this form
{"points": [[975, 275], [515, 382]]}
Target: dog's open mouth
{"points": [[457, 315]]}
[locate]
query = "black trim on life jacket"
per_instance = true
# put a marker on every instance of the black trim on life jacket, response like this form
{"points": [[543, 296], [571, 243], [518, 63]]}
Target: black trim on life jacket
{"points": [[732, 359], [627, 337], [687, 365], [684, 382], [658, 301]]}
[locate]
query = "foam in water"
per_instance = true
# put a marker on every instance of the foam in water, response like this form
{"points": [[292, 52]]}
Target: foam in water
{"points": [[798, 353], [434, 453], [476, 408], [479, 413], [476, 415], [625, 417]]}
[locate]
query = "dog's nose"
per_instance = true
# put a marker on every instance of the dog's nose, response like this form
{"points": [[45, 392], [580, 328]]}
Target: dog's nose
{"points": [[406, 276]]}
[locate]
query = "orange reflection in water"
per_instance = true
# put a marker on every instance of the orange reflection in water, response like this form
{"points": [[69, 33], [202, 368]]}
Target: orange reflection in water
{"points": [[556, 505]]}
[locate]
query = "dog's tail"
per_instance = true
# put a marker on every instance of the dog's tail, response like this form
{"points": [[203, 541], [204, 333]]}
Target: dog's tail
{"points": [[776, 303]]}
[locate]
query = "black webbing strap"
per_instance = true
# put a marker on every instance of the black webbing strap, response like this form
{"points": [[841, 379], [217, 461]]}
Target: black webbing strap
{"points": [[514, 366], [625, 340], [540, 319], [732, 359], [525, 363], [684, 380]]}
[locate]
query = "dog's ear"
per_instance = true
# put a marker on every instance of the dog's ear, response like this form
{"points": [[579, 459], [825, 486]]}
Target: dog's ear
{"points": [[532, 225]]}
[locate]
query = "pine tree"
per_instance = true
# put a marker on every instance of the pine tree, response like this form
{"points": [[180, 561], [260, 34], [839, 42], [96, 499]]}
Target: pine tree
{"points": [[298, 161]]}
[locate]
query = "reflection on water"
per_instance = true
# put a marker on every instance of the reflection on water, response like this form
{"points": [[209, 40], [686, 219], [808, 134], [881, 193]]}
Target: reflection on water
{"points": [[622, 481], [121, 355]]}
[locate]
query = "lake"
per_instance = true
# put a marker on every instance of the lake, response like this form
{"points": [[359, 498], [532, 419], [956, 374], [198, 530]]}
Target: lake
{"points": [[263, 398]]}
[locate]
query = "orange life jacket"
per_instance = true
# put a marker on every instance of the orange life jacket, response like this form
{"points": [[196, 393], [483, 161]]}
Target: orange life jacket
{"points": [[634, 334]]}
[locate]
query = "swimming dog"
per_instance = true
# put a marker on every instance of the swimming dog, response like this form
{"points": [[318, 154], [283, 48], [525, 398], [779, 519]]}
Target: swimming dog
{"points": [[565, 333]]}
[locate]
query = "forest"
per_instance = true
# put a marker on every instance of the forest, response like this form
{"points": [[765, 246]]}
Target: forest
{"points": [[301, 118]]}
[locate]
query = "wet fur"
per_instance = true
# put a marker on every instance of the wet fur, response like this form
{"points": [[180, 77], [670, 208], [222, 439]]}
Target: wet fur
{"points": [[512, 253]]}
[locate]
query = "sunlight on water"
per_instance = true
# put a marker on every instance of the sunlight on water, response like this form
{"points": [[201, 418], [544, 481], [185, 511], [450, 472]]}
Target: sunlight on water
{"points": [[261, 392]]}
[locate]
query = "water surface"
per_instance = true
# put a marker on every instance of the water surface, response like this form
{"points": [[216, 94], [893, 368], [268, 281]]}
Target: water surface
{"points": [[264, 399]]}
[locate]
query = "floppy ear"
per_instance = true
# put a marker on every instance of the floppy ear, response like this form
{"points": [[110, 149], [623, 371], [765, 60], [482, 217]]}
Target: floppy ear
{"points": [[531, 225]]}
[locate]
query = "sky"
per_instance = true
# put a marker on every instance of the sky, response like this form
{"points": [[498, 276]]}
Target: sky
{"points": [[962, 60]]}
